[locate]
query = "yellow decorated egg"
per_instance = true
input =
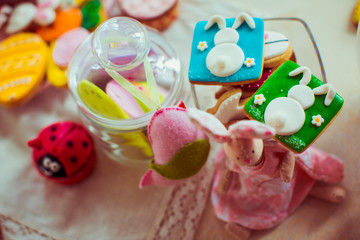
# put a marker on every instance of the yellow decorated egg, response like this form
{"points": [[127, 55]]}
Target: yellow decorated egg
{"points": [[55, 75], [23, 59]]}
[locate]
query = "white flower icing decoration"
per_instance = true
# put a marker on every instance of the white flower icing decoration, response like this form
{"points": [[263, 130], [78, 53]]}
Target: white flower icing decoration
{"points": [[249, 62], [202, 46], [259, 99], [317, 120]]}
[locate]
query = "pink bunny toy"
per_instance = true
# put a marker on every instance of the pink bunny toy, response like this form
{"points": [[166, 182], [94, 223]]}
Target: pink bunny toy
{"points": [[258, 183]]}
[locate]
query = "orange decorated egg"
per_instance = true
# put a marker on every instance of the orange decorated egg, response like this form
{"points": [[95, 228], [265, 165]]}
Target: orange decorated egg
{"points": [[65, 20], [23, 60]]}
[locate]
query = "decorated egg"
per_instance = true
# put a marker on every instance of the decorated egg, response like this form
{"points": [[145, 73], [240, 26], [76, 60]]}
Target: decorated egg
{"points": [[65, 20], [55, 75], [67, 44], [63, 152], [93, 14], [23, 60]]}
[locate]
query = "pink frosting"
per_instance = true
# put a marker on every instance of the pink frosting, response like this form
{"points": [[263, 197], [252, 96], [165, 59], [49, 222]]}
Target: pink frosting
{"points": [[145, 9]]}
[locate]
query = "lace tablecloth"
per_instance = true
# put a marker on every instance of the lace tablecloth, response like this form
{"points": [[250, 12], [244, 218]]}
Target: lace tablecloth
{"points": [[108, 205]]}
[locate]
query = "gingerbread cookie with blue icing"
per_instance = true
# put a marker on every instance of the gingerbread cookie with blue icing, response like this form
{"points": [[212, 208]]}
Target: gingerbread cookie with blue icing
{"points": [[227, 51], [296, 104]]}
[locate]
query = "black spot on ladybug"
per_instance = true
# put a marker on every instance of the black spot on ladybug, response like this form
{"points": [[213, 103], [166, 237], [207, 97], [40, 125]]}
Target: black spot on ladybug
{"points": [[73, 159], [52, 137], [53, 128], [85, 144], [70, 144]]}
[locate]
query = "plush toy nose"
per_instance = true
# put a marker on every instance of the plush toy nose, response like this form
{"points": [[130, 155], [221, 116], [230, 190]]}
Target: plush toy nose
{"points": [[247, 160]]}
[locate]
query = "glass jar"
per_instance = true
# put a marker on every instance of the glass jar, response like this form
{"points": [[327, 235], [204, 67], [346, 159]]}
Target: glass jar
{"points": [[125, 140]]}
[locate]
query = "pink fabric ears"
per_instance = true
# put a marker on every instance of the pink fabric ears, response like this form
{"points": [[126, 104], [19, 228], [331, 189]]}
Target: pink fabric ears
{"points": [[210, 125], [169, 131], [251, 129]]}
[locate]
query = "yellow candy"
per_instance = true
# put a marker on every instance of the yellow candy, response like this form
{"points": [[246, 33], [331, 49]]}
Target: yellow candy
{"points": [[139, 141], [356, 14], [55, 75], [23, 59], [97, 100]]}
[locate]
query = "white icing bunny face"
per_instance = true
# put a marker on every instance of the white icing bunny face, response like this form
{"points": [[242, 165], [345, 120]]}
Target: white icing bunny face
{"points": [[293, 96]]}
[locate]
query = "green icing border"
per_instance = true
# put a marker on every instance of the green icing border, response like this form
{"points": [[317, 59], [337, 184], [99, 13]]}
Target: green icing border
{"points": [[278, 85]]}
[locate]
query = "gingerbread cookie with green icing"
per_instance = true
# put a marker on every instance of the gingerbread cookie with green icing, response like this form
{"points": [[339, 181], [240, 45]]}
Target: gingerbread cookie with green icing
{"points": [[296, 104]]}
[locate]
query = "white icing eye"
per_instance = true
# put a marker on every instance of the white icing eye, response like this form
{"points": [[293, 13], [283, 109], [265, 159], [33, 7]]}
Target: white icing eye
{"points": [[46, 162], [284, 114], [303, 94], [54, 167]]}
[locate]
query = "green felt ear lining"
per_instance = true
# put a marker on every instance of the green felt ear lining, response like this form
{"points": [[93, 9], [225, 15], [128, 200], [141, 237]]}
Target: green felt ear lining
{"points": [[186, 162]]}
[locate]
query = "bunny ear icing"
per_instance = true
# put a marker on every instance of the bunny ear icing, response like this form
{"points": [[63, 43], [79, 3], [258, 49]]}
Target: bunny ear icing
{"points": [[251, 129], [220, 20], [306, 74], [327, 89], [241, 18], [209, 124]]}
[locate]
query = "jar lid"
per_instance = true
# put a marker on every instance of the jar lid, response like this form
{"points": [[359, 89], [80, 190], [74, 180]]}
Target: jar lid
{"points": [[120, 36]]}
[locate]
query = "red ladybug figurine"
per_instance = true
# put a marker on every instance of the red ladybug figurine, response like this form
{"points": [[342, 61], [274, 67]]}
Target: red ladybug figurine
{"points": [[63, 152]]}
